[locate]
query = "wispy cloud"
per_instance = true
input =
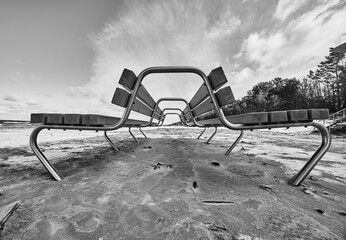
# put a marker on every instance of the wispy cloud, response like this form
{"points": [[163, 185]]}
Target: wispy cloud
{"points": [[207, 34], [160, 33], [286, 7], [294, 49]]}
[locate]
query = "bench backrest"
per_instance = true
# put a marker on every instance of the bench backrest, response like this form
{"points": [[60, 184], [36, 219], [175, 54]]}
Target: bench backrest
{"points": [[143, 103], [201, 102]]}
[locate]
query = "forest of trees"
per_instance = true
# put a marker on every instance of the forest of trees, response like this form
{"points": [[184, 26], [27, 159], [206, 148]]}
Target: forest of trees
{"points": [[323, 88]]}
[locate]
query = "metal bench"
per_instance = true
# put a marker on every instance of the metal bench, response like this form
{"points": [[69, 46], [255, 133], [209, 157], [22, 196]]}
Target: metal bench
{"points": [[135, 98], [205, 110]]}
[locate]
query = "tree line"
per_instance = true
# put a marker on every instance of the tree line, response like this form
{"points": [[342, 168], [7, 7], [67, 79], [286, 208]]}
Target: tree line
{"points": [[323, 88]]}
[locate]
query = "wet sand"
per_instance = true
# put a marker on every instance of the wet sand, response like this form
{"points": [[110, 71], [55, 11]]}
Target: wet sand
{"points": [[172, 186]]}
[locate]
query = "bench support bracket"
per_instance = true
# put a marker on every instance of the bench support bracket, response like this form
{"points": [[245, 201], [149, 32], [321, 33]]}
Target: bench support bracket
{"points": [[133, 136], [110, 141], [211, 137], [140, 129], [201, 133], [235, 143], [33, 144]]}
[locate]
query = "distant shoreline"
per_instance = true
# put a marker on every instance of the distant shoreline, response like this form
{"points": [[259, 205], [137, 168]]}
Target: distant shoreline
{"points": [[14, 121]]}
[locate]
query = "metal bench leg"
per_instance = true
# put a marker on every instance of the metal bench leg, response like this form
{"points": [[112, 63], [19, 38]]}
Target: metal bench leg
{"points": [[201, 133], [133, 136], [211, 137], [110, 141], [40, 155], [142, 132], [235, 143], [326, 141]]}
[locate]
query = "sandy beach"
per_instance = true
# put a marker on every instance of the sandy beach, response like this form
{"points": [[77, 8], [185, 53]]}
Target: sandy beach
{"points": [[171, 186]]}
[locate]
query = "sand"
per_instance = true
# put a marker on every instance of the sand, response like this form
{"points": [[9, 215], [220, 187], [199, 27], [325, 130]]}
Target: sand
{"points": [[171, 186]]}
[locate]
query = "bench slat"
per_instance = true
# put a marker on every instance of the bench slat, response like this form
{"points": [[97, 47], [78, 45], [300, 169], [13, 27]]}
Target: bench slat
{"points": [[318, 114], [201, 95], [73, 119], [297, 115], [249, 118], [217, 78], [55, 118], [128, 80], [96, 119], [121, 98], [277, 116], [38, 118], [224, 96]]}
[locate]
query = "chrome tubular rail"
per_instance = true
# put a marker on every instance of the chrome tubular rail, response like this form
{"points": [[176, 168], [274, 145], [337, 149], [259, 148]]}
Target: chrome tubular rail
{"points": [[33, 144]]}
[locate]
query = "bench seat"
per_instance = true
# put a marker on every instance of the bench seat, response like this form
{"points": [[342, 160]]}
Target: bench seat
{"points": [[82, 120], [255, 118]]}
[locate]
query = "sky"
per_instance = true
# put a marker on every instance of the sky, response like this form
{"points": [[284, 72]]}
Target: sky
{"points": [[67, 56]]}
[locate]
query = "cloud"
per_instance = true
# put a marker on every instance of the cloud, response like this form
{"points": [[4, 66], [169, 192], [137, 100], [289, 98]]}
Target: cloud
{"points": [[159, 33], [293, 50], [287, 7], [11, 98]]}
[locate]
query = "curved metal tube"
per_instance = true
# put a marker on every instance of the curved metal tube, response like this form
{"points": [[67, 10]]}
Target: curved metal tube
{"points": [[304, 172], [133, 136], [235, 143], [211, 137], [140, 129], [110, 141], [173, 109], [176, 99], [202, 132], [33, 144]]}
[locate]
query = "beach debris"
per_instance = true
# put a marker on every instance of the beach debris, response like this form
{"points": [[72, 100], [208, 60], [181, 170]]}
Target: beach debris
{"points": [[313, 178], [194, 184], [319, 211], [215, 164], [217, 228], [342, 214], [310, 191], [267, 187], [6, 212], [217, 202], [159, 165]]}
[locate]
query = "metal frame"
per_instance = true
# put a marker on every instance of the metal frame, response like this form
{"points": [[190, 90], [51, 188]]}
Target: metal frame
{"points": [[110, 141], [229, 150], [211, 137], [296, 180], [133, 136], [201, 133], [140, 129]]}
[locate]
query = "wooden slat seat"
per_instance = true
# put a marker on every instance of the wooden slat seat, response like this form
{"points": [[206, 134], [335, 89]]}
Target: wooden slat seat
{"points": [[271, 117], [81, 120]]}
